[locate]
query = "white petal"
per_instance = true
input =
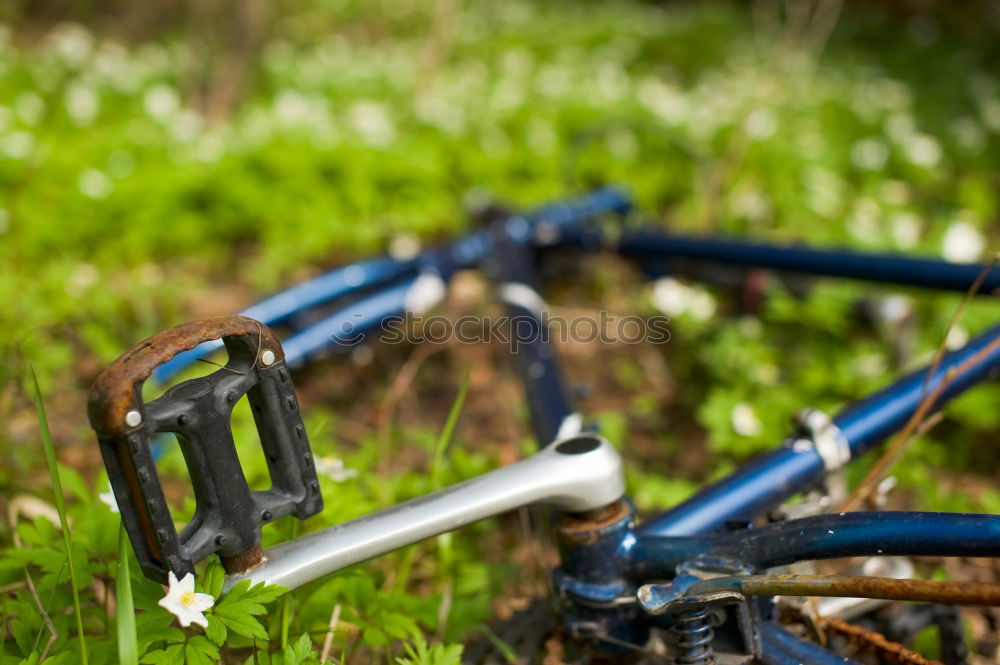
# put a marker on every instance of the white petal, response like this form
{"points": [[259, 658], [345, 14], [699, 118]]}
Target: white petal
{"points": [[744, 420], [186, 583], [202, 601], [187, 617], [108, 499], [962, 243]]}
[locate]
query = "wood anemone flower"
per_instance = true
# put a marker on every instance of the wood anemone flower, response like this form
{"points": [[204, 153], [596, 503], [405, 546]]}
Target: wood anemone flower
{"points": [[184, 603]]}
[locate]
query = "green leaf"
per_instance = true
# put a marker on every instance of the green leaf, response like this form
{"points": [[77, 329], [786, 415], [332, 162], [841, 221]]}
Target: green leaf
{"points": [[397, 625], [216, 630], [201, 651], [171, 655], [213, 578], [419, 653], [301, 652], [74, 482], [237, 609]]}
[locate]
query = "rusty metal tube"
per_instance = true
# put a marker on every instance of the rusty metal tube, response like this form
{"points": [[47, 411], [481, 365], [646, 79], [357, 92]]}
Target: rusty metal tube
{"points": [[948, 593]]}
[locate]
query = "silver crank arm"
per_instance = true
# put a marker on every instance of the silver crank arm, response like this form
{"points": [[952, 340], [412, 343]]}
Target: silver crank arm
{"points": [[577, 474]]}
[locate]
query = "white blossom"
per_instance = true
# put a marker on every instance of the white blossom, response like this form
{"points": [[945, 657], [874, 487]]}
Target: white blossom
{"points": [[962, 243], [94, 184], [334, 469], [30, 108], [184, 603], [990, 110], [426, 292], [760, 124], [82, 103], [906, 230], [161, 101], [673, 298], [744, 420], [18, 145], [923, 150], [870, 154], [108, 499], [957, 338], [372, 122], [968, 133]]}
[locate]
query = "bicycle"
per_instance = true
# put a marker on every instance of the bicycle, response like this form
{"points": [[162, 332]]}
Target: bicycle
{"points": [[696, 573]]}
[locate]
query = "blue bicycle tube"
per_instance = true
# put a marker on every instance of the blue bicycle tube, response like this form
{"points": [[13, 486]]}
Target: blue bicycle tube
{"points": [[829, 536], [279, 307], [779, 647], [528, 340], [348, 327], [650, 245], [768, 481], [543, 226]]}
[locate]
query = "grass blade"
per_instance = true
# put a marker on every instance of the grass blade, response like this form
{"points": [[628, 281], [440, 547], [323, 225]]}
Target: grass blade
{"points": [[449, 429], [128, 647], [50, 456]]}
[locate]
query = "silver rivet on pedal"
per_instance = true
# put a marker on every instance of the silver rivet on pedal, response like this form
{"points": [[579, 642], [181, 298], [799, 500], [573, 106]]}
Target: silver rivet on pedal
{"points": [[267, 358], [133, 418]]}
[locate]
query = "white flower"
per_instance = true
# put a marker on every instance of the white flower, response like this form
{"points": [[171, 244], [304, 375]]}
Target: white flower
{"points": [[334, 469], [962, 243], [404, 246], [184, 603], [108, 499], [906, 230], [18, 145], [990, 110], [427, 291], [744, 420], [870, 154], [29, 108], [82, 103], [957, 338], [675, 298], [923, 150], [760, 124], [161, 102], [664, 101], [372, 122], [94, 184]]}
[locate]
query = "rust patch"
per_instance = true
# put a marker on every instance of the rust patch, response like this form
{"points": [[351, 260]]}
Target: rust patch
{"points": [[930, 591], [241, 563], [584, 528], [885, 651], [116, 390]]}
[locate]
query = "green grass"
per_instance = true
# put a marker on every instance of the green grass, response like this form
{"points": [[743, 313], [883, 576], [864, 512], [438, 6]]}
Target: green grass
{"points": [[128, 647], [50, 457], [124, 211]]}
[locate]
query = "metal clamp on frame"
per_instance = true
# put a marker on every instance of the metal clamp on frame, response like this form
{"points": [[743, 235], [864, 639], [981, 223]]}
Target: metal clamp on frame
{"points": [[820, 432], [718, 625]]}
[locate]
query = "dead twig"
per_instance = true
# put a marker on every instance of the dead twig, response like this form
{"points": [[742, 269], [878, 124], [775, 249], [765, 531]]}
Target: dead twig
{"points": [[915, 425], [331, 630]]}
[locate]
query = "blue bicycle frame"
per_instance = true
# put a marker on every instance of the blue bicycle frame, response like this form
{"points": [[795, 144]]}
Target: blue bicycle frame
{"points": [[594, 576]]}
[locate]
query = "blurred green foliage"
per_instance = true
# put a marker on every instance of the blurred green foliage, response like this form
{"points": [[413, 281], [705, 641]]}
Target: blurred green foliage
{"points": [[123, 208]]}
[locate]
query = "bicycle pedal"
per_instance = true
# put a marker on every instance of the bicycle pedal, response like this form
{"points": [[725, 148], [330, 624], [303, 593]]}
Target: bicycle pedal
{"points": [[228, 515]]}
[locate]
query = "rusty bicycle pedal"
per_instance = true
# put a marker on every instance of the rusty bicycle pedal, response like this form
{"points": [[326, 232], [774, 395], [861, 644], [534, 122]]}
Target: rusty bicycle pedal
{"points": [[228, 515]]}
